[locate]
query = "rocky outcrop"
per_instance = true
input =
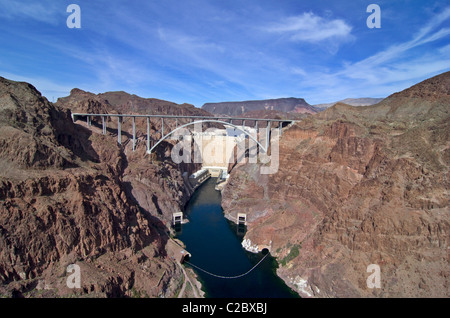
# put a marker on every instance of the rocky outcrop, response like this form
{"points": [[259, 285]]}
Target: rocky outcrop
{"points": [[68, 196], [34, 133], [357, 186]]}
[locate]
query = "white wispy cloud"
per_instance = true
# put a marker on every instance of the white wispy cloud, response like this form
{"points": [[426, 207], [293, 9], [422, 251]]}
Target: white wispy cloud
{"points": [[191, 45], [309, 27], [433, 23], [390, 58], [46, 11], [395, 68]]}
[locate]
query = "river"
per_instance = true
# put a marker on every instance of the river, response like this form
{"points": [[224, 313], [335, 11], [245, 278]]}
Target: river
{"points": [[215, 245]]}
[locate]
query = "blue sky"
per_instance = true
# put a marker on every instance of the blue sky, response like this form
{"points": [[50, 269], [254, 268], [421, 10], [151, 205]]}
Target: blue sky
{"points": [[199, 51]]}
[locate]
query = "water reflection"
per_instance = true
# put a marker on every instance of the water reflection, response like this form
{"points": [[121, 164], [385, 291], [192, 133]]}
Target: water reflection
{"points": [[178, 228], [241, 229]]}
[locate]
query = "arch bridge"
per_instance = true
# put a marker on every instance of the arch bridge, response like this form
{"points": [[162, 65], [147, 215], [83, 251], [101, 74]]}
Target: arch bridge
{"points": [[275, 123]]}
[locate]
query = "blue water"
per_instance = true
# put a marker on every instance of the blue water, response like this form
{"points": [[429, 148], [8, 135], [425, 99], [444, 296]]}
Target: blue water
{"points": [[215, 246]]}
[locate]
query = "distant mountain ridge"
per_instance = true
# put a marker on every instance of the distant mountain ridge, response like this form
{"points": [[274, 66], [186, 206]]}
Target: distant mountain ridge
{"points": [[364, 101], [286, 105]]}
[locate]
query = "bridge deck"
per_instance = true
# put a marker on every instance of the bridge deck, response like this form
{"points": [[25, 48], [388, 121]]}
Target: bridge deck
{"points": [[183, 116]]}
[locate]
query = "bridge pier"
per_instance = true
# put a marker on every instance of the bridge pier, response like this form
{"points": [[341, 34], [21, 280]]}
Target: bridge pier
{"points": [[148, 134], [103, 125], [134, 133], [119, 130], [268, 135]]}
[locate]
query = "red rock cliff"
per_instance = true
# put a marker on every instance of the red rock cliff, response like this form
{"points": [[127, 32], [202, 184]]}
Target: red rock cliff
{"points": [[357, 186], [66, 197]]}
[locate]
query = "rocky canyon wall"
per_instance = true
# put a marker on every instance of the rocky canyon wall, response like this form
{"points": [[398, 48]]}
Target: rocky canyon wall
{"points": [[357, 186], [70, 195]]}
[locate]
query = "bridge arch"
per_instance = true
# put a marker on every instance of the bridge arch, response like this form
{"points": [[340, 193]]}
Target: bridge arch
{"points": [[206, 121]]}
